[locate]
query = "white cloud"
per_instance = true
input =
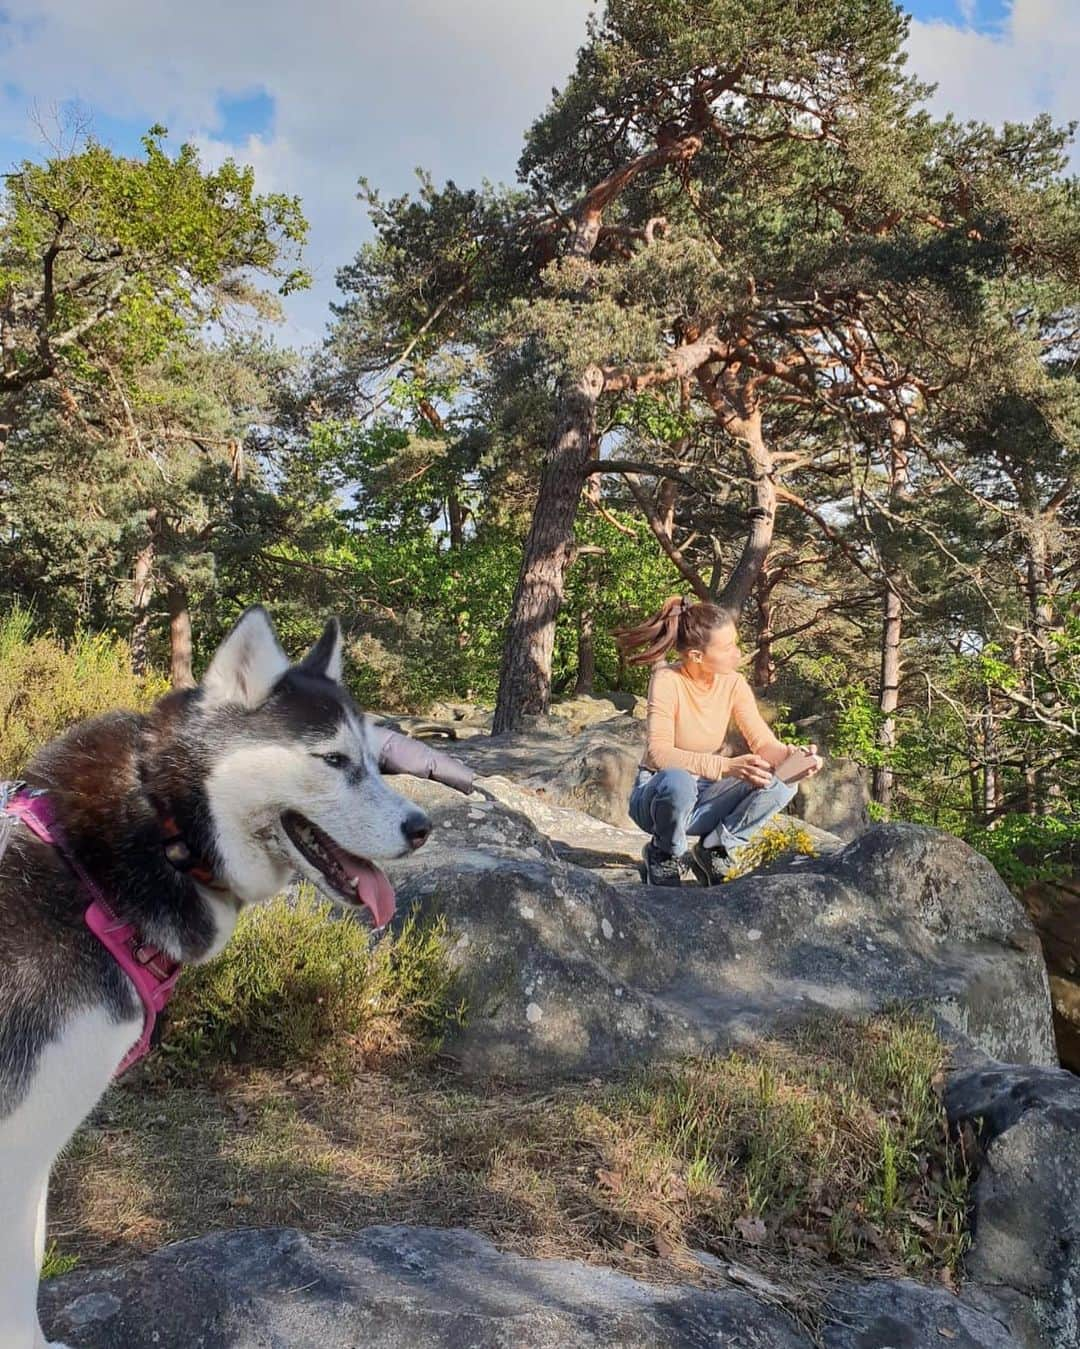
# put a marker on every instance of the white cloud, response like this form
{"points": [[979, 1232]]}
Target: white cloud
{"points": [[359, 87], [362, 87], [1024, 67]]}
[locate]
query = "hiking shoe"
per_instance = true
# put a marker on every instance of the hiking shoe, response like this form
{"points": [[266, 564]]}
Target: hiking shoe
{"points": [[660, 868], [711, 866]]}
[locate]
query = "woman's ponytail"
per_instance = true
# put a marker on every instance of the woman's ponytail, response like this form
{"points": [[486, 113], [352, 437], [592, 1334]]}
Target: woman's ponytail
{"points": [[678, 623], [656, 636]]}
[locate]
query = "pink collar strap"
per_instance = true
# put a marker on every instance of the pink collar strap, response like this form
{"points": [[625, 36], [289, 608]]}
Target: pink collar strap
{"points": [[151, 970]]}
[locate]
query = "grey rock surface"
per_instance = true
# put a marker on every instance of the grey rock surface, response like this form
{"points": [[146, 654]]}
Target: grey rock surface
{"points": [[902, 1314], [572, 969], [424, 1288], [835, 799], [390, 1288], [1026, 1219]]}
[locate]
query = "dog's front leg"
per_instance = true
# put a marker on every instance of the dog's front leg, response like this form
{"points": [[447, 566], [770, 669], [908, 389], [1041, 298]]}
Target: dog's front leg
{"points": [[22, 1212], [39, 1256]]}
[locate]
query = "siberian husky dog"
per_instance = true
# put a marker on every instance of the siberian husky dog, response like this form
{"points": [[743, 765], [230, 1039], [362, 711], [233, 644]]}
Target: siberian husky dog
{"points": [[214, 799]]}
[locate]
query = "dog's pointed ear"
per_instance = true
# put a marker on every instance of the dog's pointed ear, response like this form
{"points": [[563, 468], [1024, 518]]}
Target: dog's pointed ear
{"points": [[247, 664], [324, 658]]}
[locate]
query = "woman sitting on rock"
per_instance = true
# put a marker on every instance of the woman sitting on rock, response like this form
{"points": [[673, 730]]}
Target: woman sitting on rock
{"points": [[684, 785]]}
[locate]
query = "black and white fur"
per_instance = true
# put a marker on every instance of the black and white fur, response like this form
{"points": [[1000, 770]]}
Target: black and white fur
{"points": [[259, 739]]}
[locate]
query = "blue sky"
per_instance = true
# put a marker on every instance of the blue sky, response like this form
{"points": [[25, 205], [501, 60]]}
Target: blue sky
{"points": [[318, 95], [979, 13]]}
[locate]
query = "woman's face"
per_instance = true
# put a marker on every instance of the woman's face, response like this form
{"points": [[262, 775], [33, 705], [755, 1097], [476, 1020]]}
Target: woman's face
{"points": [[721, 654]]}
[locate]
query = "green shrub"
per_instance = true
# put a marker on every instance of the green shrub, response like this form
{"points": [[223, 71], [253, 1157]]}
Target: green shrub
{"points": [[770, 842], [47, 685], [297, 986], [1029, 848]]}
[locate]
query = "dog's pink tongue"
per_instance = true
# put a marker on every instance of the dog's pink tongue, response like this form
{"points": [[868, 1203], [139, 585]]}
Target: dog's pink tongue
{"points": [[372, 889]]}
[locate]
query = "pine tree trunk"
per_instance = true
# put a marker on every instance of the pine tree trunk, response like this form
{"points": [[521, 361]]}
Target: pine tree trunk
{"points": [[989, 754], [179, 638], [142, 598], [735, 403], [525, 673], [975, 780], [456, 518], [586, 646], [761, 514], [889, 696], [1040, 617], [764, 665], [891, 626]]}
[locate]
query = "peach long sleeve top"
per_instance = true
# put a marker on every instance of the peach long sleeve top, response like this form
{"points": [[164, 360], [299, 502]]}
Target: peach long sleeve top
{"points": [[686, 724]]}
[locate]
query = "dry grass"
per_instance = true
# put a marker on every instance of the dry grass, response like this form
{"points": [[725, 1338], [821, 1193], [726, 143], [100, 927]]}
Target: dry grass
{"points": [[826, 1153]]}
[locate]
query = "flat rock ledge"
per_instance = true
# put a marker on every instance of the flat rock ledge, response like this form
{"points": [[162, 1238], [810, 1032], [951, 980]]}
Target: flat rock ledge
{"points": [[424, 1288]]}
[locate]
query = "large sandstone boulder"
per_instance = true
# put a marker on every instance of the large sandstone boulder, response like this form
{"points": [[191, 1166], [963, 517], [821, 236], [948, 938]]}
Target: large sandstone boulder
{"points": [[590, 764], [576, 970], [836, 799], [1025, 1261], [421, 1288], [586, 709], [591, 772]]}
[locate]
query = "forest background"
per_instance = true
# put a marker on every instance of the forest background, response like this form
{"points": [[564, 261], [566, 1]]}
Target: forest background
{"points": [[756, 323]]}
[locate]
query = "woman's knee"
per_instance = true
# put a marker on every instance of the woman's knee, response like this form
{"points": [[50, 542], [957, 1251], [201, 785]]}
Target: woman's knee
{"points": [[676, 784]]}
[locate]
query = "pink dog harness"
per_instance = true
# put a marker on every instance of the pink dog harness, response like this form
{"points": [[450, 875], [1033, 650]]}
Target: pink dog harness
{"points": [[151, 970]]}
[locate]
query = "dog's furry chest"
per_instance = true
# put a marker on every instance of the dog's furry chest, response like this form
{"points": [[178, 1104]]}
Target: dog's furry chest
{"points": [[72, 1071], [53, 971]]}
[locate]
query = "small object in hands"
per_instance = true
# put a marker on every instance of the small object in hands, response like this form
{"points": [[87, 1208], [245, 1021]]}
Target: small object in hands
{"points": [[796, 766]]}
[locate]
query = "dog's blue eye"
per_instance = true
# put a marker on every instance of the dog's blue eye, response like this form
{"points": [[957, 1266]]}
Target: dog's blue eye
{"points": [[336, 760]]}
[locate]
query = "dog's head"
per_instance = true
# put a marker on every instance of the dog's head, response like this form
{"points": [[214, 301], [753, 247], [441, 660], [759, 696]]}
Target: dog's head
{"points": [[292, 782]]}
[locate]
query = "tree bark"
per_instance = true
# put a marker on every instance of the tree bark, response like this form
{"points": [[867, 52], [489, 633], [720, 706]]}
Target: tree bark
{"points": [[586, 643], [764, 665], [456, 519], [736, 405], [891, 625], [525, 672], [889, 694], [989, 754], [586, 646], [142, 598], [180, 674]]}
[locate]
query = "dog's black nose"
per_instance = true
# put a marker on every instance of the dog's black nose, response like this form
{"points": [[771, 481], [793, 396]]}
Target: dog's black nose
{"points": [[416, 829]]}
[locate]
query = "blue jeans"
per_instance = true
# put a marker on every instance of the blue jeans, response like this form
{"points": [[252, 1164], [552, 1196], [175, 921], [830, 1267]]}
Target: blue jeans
{"points": [[673, 803]]}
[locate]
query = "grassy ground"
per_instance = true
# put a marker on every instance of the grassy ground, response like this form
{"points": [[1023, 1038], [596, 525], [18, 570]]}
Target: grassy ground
{"points": [[823, 1154]]}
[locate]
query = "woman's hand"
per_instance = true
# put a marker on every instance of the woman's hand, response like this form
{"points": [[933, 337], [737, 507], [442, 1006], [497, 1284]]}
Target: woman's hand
{"points": [[750, 768], [808, 749]]}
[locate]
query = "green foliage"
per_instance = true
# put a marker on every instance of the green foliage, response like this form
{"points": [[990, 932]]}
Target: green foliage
{"points": [[46, 685], [297, 985], [855, 718], [1026, 849], [133, 250]]}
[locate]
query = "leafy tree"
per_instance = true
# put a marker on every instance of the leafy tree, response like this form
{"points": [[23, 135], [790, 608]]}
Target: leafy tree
{"points": [[745, 205]]}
